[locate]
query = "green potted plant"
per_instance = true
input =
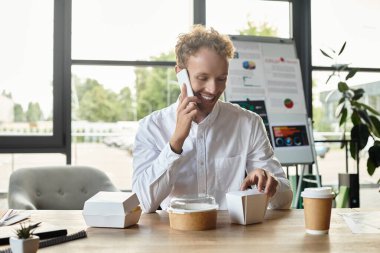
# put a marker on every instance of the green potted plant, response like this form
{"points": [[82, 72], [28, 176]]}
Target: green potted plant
{"points": [[353, 113], [25, 241]]}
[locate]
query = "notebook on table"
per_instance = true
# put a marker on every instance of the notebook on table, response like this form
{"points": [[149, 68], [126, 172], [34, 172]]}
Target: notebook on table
{"points": [[44, 231]]}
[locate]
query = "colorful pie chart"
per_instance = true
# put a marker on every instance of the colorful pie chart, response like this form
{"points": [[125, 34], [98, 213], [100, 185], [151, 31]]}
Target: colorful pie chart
{"points": [[288, 103], [249, 65]]}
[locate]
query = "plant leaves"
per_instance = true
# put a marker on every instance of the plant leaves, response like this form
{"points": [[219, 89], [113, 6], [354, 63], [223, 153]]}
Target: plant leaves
{"points": [[342, 49], [355, 118], [351, 73], [343, 143], [342, 87], [374, 156], [360, 134], [364, 115], [369, 108], [339, 110], [371, 167], [343, 116], [353, 149], [328, 79], [349, 94], [25, 231], [375, 125], [325, 54], [358, 93]]}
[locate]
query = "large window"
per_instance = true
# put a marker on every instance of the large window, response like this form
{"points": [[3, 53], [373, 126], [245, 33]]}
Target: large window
{"points": [[127, 30], [123, 68], [26, 63], [107, 103], [333, 23], [337, 21], [31, 84], [90, 69], [250, 17]]}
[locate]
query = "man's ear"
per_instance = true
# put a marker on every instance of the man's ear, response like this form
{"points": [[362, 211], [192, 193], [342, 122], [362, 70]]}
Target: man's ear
{"points": [[177, 69]]}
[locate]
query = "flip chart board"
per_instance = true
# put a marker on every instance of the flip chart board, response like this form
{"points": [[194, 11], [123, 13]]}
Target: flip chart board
{"points": [[265, 77]]}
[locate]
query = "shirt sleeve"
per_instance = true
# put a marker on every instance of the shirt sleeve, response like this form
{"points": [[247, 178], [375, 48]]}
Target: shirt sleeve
{"points": [[261, 155], [283, 197], [154, 169]]}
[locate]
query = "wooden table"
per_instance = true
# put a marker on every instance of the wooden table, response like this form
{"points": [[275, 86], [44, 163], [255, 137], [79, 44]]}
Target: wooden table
{"points": [[282, 231]]}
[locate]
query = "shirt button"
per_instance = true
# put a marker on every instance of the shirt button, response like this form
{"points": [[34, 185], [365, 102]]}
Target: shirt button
{"points": [[202, 163]]}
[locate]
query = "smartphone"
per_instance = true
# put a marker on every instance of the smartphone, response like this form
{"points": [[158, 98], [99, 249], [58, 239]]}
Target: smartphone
{"points": [[183, 78]]}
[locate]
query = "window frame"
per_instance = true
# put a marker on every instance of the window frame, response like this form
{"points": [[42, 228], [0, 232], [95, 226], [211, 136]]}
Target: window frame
{"points": [[58, 142], [330, 69]]}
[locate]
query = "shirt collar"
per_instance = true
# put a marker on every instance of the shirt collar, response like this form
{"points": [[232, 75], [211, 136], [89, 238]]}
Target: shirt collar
{"points": [[211, 117]]}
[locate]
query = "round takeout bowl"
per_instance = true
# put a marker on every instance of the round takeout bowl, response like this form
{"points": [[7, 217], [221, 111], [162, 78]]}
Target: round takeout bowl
{"points": [[193, 216]]}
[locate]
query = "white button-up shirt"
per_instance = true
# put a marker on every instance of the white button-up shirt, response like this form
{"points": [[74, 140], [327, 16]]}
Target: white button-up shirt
{"points": [[216, 156]]}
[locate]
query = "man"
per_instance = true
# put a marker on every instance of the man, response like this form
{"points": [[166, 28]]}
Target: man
{"points": [[201, 145]]}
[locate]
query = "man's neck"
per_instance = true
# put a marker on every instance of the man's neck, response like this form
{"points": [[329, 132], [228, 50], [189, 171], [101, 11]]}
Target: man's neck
{"points": [[200, 117]]}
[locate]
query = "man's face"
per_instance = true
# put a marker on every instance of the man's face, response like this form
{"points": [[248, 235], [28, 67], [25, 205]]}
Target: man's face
{"points": [[208, 73]]}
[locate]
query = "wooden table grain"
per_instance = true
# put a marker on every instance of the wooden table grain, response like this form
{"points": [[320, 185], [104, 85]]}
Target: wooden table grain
{"points": [[281, 231]]}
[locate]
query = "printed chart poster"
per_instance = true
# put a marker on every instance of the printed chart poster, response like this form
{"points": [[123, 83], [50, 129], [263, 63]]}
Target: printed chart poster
{"points": [[257, 106], [290, 136], [245, 74], [284, 86]]}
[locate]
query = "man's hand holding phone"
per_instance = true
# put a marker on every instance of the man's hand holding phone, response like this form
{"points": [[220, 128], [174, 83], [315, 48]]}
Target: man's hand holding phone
{"points": [[183, 78], [186, 112]]}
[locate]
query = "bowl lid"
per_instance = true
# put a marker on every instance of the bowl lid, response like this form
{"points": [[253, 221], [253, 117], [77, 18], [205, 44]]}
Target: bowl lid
{"points": [[192, 203]]}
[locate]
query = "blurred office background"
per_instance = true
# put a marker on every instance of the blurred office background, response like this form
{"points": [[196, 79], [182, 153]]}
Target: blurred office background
{"points": [[77, 99]]}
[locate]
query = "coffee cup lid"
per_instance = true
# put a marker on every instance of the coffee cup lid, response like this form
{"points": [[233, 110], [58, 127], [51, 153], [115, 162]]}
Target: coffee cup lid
{"points": [[320, 192]]}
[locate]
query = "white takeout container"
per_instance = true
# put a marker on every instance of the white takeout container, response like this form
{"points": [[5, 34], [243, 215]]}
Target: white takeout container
{"points": [[112, 210], [247, 207]]}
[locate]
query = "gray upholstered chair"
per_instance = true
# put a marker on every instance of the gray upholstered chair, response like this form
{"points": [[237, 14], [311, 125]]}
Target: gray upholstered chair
{"points": [[56, 188]]}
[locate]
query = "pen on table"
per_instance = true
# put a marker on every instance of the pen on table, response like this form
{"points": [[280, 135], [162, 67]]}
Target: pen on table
{"points": [[5, 216]]}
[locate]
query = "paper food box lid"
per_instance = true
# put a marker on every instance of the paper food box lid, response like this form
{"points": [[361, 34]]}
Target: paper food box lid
{"points": [[112, 209], [111, 203], [247, 207]]}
